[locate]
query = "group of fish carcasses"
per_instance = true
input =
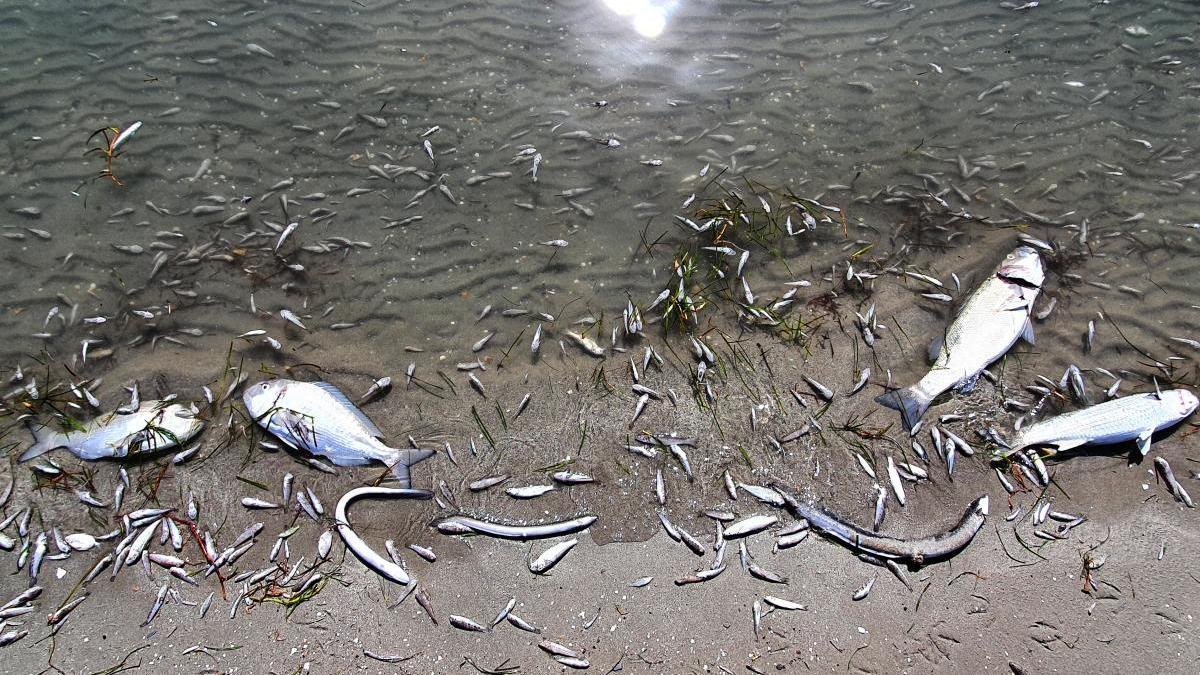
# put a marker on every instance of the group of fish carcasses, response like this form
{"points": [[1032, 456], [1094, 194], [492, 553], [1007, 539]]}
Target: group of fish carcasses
{"points": [[316, 417]]}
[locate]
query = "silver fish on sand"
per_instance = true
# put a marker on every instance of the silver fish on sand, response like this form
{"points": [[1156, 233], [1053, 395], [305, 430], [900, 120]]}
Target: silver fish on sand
{"points": [[1136, 417], [994, 317], [318, 418], [156, 425]]}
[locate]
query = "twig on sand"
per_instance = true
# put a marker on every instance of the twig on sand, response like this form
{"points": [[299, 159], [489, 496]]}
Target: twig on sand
{"points": [[502, 669], [124, 664]]}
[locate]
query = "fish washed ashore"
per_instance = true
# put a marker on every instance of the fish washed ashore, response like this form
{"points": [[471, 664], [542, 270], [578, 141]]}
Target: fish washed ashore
{"points": [[499, 338]]}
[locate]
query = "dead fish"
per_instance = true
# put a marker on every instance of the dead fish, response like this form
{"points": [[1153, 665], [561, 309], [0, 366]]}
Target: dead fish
{"points": [[990, 323], [482, 342], [780, 603], [377, 388], [586, 343], [318, 418], [821, 390], [551, 557], [487, 482], [291, 318], [1164, 470], [700, 576], [765, 575], [1135, 417], [157, 425], [462, 622], [425, 553], [763, 494], [862, 382], [529, 491], [641, 405], [572, 478], [866, 589], [894, 477], [749, 526]]}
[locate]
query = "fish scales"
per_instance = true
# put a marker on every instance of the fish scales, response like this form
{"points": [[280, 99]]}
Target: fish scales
{"points": [[319, 418], [991, 321]]}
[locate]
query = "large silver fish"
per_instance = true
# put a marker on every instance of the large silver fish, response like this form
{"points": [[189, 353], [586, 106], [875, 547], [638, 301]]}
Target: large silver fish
{"points": [[988, 325], [318, 418], [156, 425], [1122, 419]]}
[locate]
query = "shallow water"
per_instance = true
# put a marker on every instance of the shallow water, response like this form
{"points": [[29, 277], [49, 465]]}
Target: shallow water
{"points": [[1068, 123]]}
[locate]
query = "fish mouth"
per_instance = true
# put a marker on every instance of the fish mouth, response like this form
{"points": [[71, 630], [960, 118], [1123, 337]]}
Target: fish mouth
{"points": [[1020, 277], [1024, 269]]}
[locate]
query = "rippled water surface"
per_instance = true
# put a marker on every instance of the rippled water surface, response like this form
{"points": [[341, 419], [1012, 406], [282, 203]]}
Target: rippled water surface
{"points": [[407, 179]]}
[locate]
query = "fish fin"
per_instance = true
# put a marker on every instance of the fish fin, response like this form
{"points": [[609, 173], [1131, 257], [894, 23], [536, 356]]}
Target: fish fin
{"points": [[1065, 444], [910, 401], [341, 399], [968, 385], [1027, 332], [1070, 443], [935, 347], [1143, 441], [301, 435], [404, 459], [44, 440]]}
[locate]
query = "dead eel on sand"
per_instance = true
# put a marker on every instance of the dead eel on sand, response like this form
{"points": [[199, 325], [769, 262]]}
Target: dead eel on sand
{"points": [[914, 552]]}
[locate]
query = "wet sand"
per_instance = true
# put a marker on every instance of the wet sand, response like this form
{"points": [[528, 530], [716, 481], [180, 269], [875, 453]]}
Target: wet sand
{"points": [[874, 110]]}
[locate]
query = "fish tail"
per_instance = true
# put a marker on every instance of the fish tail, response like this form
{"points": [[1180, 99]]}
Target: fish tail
{"points": [[44, 440], [912, 403], [402, 459]]}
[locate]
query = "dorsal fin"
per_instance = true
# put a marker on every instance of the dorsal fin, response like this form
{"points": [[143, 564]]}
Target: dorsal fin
{"points": [[341, 399]]}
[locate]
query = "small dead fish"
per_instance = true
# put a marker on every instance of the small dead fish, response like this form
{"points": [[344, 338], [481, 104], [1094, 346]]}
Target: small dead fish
{"points": [[780, 603], [551, 557], [522, 405], [1168, 476], [529, 491], [425, 553], [377, 388], [536, 344], [290, 317], [641, 405], [766, 575], [862, 381], [256, 49], [894, 478], [763, 494], [158, 603], [482, 342], [749, 526], [865, 590], [680, 455], [586, 343], [462, 622], [820, 389], [572, 478]]}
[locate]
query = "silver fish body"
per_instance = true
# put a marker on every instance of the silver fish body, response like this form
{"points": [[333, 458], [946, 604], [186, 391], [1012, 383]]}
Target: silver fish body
{"points": [[1128, 418], [991, 321], [319, 418], [155, 426]]}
